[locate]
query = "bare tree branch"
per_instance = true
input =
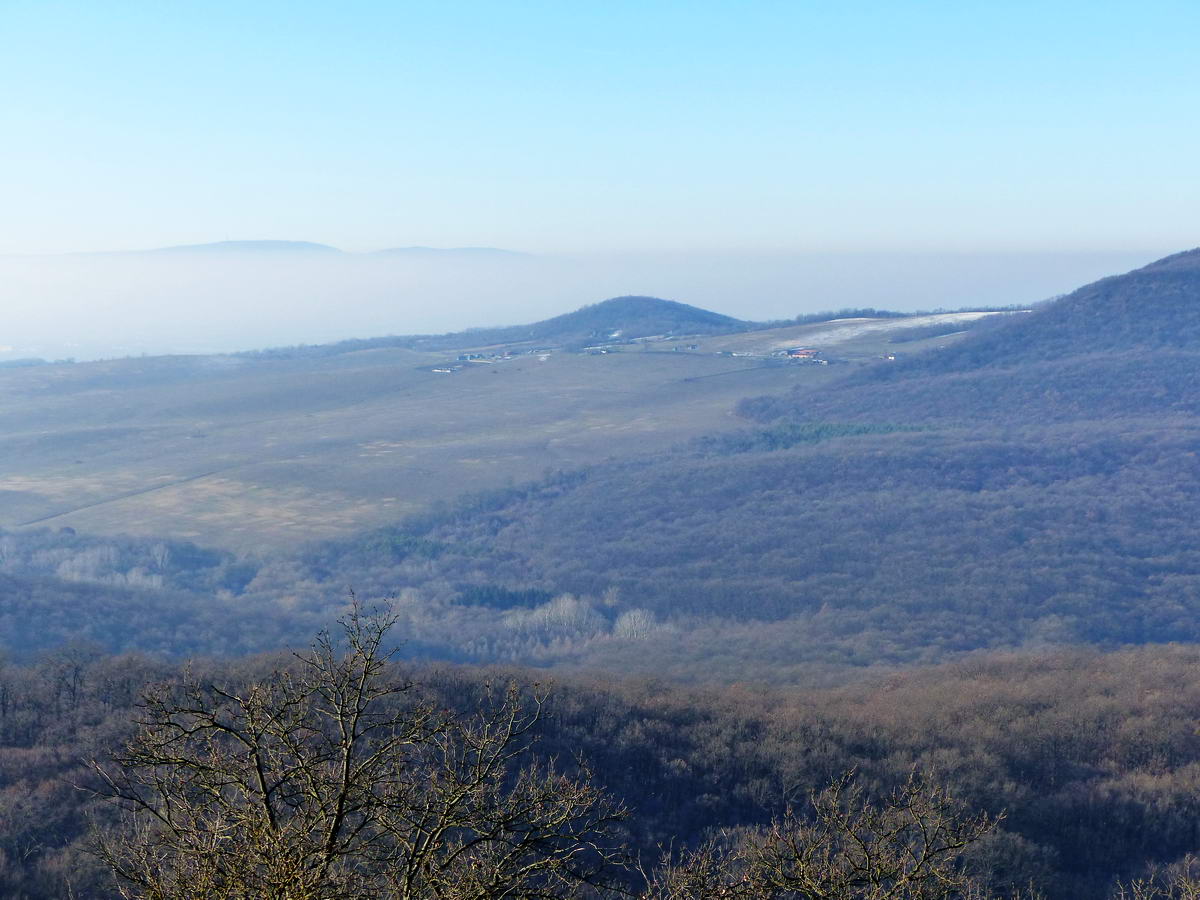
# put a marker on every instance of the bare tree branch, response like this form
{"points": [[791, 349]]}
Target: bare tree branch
{"points": [[330, 779]]}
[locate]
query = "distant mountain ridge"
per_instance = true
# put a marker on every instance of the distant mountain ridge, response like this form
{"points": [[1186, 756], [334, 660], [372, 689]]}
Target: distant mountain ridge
{"points": [[272, 247]]}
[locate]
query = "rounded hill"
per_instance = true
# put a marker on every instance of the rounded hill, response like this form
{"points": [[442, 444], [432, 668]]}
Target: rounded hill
{"points": [[615, 319], [635, 316]]}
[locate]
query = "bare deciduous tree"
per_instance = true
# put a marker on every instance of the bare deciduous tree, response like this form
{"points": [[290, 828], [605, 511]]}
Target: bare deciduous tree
{"points": [[330, 779], [908, 847], [1179, 881]]}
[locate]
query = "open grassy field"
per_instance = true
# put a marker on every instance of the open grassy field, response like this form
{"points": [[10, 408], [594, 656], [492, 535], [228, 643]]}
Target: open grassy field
{"points": [[253, 453], [247, 453]]}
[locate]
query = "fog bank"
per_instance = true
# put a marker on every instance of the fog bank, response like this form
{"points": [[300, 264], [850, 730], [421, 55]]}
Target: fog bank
{"points": [[106, 305]]}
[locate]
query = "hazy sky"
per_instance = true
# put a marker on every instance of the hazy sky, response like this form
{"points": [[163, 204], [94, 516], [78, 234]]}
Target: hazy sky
{"points": [[755, 157], [643, 126]]}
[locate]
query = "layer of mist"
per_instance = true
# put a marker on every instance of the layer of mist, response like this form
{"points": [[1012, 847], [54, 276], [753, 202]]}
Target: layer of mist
{"points": [[224, 299]]}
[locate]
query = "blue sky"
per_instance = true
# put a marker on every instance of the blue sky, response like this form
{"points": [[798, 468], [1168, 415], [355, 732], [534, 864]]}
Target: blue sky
{"points": [[610, 127]]}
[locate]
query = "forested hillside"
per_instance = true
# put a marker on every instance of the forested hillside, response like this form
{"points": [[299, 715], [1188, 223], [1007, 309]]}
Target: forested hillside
{"points": [[1127, 345], [1092, 759], [864, 549]]}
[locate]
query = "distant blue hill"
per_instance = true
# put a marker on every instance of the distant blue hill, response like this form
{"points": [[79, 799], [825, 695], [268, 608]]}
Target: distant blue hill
{"points": [[250, 247]]}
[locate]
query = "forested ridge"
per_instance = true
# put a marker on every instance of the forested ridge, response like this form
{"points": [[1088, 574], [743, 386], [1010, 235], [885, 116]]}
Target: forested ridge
{"points": [[1092, 758], [1126, 345]]}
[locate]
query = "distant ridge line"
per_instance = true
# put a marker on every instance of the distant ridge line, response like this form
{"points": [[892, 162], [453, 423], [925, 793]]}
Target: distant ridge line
{"points": [[276, 247]]}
